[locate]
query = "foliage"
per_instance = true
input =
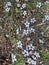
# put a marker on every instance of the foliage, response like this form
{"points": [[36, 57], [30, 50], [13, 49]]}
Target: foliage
{"points": [[44, 55]]}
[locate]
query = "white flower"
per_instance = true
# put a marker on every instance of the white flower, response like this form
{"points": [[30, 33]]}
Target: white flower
{"points": [[7, 35], [13, 58], [41, 41], [18, 5], [33, 62], [7, 9], [46, 17], [28, 38], [25, 13], [36, 54], [30, 47], [33, 20], [34, 58], [17, 0], [8, 4], [39, 4], [32, 30], [17, 31], [27, 24], [41, 62], [23, 5], [47, 2], [29, 61], [19, 44], [25, 53], [25, 32]]}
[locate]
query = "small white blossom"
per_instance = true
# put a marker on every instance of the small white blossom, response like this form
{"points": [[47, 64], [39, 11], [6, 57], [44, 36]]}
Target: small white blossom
{"points": [[47, 2], [32, 30], [25, 13], [33, 62], [23, 5], [33, 20], [41, 62], [7, 9], [29, 61], [7, 35], [39, 4], [19, 44], [25, 32], [47, 17], [30, 47], [17, 31], [36, 54], [13, 58], [18, 5], [8, 4], [27, 24], [28, 38], [41, 41], [34, 58], [17, 0], [25, 53]]}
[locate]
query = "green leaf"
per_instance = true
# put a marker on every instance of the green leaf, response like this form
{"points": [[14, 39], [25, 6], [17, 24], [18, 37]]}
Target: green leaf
{"points": [[44, 55], [47, 5], [16, 43], [34, 3], [28, 6], [17, 55], [0, 1], [17, 10], [20, 61]]}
